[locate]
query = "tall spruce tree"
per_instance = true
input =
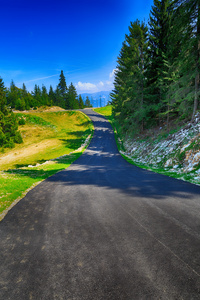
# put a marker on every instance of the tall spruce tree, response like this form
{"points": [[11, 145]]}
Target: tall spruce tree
{"points": [[80, 101], [62, 91], [37, 96], [87, 102], [72, 97], [12, 95], [128, 95], [159, 58], [51, 96], [44, 96], [187, 26]]}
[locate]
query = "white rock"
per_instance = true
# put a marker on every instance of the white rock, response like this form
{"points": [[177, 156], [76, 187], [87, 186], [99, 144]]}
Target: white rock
{"points": [[168, 163]]}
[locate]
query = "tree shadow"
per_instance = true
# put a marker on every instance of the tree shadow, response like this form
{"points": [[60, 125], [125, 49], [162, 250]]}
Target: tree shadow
{"points": [[32, 173], [101, 165]]}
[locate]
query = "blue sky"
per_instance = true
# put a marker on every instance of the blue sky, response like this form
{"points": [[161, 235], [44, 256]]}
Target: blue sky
{"points": [[81, 37]]}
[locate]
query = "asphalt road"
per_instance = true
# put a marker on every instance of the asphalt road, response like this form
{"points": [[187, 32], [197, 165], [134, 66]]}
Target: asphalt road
{"points": [[103, 229]]}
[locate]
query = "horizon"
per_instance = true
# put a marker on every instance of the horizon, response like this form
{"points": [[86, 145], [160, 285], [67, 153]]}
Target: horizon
{"points": [[83, 39]]}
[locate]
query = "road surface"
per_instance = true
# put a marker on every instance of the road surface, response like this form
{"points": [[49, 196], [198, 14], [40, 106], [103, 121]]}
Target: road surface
{"points": [[103, 229]]}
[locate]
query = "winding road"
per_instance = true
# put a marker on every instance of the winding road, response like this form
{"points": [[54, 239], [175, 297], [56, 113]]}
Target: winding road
{"points": [[103, 229]]}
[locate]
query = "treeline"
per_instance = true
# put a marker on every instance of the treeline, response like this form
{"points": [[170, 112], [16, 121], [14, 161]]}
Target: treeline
{"points": [[21, 99], [157, 74], [9, 134], [63, 96]]}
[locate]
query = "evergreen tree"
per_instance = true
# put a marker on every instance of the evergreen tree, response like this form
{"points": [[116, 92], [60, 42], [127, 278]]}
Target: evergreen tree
{"points": [[80, 101], [59, 101], [44, 96], [28, 99], [62, 91], [87, 102], [72, 97], [37, 96], [24, 90], [159, 58], [185, 88], [13, 95], [128, 95], [9, 133], [62, 86], [51, 96]]}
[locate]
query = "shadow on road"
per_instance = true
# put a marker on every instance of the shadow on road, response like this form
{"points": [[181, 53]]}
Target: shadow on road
{"points": [[102, 165]]}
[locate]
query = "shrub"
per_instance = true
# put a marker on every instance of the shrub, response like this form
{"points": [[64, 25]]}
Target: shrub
{"points": [[18, 138], [21, 121]]}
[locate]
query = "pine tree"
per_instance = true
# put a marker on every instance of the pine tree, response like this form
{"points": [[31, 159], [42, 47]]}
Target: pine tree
{"points": [[12, 95], [72, 97], [37, 96], [128, 95], [159, 58], [80, 101], [87, 102], [187, 23], [44, 96], [51, 96], [62, 86], [9, 133], [62, 91], [3, 108], [28, 98]]}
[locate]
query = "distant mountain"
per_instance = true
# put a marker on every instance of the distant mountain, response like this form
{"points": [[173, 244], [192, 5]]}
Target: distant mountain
{"points": [[97, 99]]}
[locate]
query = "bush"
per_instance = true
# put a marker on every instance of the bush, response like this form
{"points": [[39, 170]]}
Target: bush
{"points": [[9, 144], [21, 121], [18, 138]]}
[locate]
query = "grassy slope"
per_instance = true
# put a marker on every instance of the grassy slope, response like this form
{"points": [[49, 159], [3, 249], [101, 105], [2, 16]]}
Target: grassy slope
{"points": [[47, 135], [107, 112]]}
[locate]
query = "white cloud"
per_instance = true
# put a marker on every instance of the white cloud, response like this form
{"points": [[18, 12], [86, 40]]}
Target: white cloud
{"points": [[112, 74], [86, 86]]}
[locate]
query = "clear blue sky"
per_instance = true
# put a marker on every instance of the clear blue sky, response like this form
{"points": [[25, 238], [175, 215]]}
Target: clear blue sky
{"points": [[81, 37]]}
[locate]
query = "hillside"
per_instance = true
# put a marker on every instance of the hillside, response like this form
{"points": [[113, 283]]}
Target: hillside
{"points": [[175, 154], [52, 140]]}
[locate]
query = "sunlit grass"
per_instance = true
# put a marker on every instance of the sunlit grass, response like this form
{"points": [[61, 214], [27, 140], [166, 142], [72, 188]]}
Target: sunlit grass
{"points": [[106, 110], [47, 135], [55, 134]]}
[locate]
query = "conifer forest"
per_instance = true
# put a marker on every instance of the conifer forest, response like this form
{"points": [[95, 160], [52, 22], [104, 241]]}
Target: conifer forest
{"points": [[157, 73]]}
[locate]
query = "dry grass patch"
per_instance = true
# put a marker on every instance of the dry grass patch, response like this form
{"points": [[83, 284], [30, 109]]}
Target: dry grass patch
{"points": [[46, 135]]}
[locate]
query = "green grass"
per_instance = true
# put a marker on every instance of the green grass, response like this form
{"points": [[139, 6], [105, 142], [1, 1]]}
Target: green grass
{"points": [[66, 131], [106, 111]]}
